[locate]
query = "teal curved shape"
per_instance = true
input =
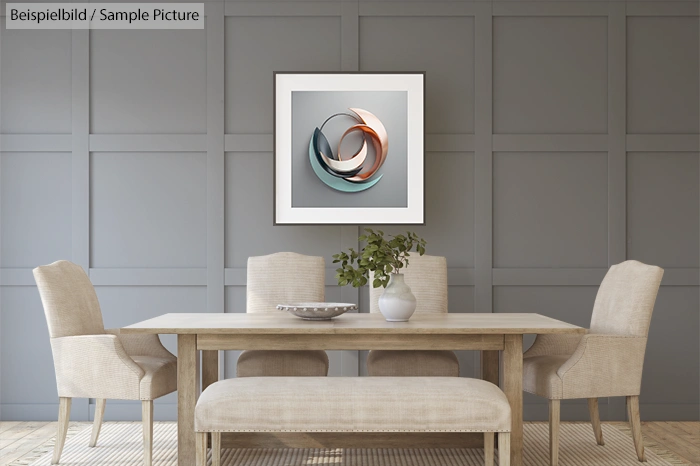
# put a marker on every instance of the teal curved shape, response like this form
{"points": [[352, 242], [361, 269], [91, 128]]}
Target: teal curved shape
{"points": [[338, 184]]}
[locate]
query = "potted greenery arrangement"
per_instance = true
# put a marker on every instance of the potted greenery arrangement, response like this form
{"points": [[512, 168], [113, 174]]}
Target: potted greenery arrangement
{"points": [[384, 257]]}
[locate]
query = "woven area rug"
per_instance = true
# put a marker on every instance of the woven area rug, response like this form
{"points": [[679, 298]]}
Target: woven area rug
{"points": [[121, 444]]}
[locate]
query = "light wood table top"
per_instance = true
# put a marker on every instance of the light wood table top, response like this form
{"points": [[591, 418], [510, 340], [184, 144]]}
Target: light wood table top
{"points": [[352, 323]]}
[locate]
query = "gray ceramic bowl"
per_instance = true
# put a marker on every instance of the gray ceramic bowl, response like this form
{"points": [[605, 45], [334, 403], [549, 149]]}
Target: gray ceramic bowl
{"points": [[317, 311]]}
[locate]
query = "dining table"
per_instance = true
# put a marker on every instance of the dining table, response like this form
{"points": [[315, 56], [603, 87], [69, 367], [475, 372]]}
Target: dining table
{"points": [[498, 336]]}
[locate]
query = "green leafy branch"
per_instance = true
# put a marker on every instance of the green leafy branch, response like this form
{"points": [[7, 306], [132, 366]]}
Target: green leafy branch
{"points": [[381, 255]]}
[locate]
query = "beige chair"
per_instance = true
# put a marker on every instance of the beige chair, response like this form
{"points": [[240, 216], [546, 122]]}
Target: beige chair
{"points": [[603, 363], [427, 277], [92, 362], [283, 277]]}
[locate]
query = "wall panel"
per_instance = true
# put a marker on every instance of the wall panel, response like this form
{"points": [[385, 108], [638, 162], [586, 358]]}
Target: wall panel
{"points": [[550, 75], [657, 234], [550, 209], [35, 81], [148, 209], [662, 69], [148, 81], [35, 189]]}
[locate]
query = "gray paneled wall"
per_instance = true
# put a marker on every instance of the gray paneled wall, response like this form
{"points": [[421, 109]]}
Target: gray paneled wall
{"points": [[562, 138]]}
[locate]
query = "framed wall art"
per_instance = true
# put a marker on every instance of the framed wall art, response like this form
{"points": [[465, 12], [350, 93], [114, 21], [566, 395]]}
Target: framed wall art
{"points": [[349, 148]]}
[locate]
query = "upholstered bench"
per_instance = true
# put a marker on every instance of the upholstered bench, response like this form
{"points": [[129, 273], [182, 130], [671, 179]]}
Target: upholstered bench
{"points": [[353, 404]]}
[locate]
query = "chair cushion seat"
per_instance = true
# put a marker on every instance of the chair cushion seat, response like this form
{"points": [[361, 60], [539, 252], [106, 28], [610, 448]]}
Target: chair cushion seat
{"points": [[352, 404], [540, 376], [160, 376], [262, 363], [412, 363]]}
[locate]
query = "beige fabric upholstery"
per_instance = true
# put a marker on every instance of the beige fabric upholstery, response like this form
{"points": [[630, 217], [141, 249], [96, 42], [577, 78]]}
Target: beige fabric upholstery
{"points": [[141, 345], [412, 363], [95, 366], [283, 277], [427, 277], [626, 298], [554, 345], [89, 361], [540, 376], [608, 360], [160, 376], [260, 363], [604, 365], [352, 404], [69, 299]]}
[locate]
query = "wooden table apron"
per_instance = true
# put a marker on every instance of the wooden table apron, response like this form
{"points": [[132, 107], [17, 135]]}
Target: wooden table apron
{"points": [[489, 340]]}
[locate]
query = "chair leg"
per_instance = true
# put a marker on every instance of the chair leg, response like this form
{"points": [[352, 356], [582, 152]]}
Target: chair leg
{"points": [[216, 449], [595, 420], [504, 449], [201, 449], [97, 424], [554, 416], [636, 424], [147, 419], [488, 449], [63, 420]]}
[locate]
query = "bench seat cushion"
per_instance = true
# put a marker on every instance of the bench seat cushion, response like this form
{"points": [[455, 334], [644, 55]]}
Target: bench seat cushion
{"points": [[352, 404]]}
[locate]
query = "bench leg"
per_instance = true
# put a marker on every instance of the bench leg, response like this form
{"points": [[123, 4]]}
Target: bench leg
{"points": [[504, 449], [201, 448], [488, 448], [216, 449]]}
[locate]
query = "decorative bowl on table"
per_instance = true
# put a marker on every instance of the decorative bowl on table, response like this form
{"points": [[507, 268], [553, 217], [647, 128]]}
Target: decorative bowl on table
{"points": [[317, 311]]}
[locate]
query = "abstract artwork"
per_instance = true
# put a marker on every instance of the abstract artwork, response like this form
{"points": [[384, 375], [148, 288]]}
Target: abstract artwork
{"points": [[344, 175], [349, 148]]}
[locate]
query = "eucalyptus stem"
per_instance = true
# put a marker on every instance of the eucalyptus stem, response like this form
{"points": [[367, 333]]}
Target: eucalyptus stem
{"points": [[382, 254]]}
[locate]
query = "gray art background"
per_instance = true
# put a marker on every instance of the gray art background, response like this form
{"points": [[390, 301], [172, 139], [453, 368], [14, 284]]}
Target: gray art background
{"points": [[311, 108]]}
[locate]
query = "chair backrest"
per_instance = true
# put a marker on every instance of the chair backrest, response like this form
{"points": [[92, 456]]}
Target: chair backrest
{"points": [[427, 277], [625, 299], [69, 299], [284, 277]]}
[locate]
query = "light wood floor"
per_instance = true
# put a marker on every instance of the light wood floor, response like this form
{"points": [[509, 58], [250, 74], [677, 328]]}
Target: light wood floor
{"points": [[681, 438]]}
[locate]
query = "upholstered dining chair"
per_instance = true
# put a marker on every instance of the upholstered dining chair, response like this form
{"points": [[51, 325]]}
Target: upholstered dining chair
{"points": [[427, 277], [92, 362], [283, 277], [605, 362]]}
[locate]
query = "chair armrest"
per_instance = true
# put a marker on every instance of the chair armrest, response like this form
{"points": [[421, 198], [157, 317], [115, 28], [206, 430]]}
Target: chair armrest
{"points": [[95, 366], [554, 345], [604, 365], [142, 345]]}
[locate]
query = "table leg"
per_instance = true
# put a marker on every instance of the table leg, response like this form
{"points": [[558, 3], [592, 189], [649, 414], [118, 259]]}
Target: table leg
{"points": [[489, 366], [187, 391], [210, 368], [513, 388]]}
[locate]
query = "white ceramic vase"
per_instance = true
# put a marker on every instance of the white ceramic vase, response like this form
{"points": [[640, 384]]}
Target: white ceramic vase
{"points": [[397, 303]]}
